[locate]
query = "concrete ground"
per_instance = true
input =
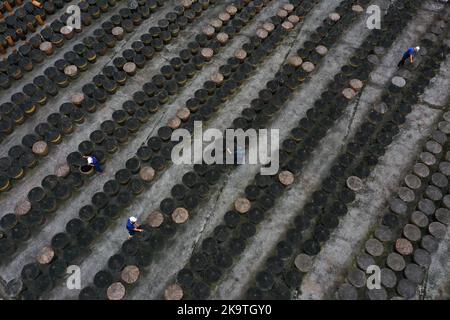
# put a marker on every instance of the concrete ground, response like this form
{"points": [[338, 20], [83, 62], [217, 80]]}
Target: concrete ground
{"points": [[333, 261]]}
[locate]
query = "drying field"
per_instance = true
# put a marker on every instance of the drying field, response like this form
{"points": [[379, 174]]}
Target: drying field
{"points": [[364, 153]]}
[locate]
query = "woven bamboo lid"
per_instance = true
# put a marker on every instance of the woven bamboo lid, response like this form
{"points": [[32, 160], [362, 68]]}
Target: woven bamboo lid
{"points": [[231, 10], [356, 277], [421, 170], [334, 16], [374, 247], [62, 171], [71, 70], [77, 98], [217, 78], [383, 233], [116, 291], [406, 194], [130, 274], [216, 23], [268, 26], [240, 54], [288, 7], [66, 30], [286, 178], [411, 232], [398, 81], [288, 26], [40, 148], [419, 219], [444, 126], [296, 61], [322, 50], [183, 113], [224, 16], [46, 46], [173, 292], [395, 261], [129, 67], [294, 19], [349, 93], [155, 219], [303, 262], [356, 84], [222, 37], [22, 207], [117, 31], [403, 246], [347, 292], [45, 255], [180, 215], [262, 33], [242, 205], [147, 173], [437, 229], [207, 53], [446, 116], [174, 123], [186, 3], [208, 31], [308, 66], [443, 215], [413, 182], [357, 8], [282, 13]]}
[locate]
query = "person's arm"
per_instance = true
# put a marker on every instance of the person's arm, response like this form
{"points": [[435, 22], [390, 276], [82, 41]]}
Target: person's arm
{"points": [[136, 227], [411, 58]]}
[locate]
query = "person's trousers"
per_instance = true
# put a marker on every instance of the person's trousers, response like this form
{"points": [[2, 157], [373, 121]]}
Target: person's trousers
{"points": [[402, 62], [97, 167]]}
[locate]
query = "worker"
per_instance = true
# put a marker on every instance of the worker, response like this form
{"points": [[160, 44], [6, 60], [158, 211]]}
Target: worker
{"points": [[93, 162], [133, 227], [410, 53]]}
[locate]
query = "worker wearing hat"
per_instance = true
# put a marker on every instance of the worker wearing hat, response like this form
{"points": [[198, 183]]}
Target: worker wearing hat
{"points": [[93, 162], [410, 53], [132, 227]]}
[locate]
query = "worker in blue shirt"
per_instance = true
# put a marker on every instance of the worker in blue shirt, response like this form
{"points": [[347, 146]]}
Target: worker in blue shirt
{"points": [[93, 161], [132, 227], [410, 53]]}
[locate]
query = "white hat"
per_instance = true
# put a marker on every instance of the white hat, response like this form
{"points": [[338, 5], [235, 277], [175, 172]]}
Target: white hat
{"points": [[417, 49], [133, 219]]}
